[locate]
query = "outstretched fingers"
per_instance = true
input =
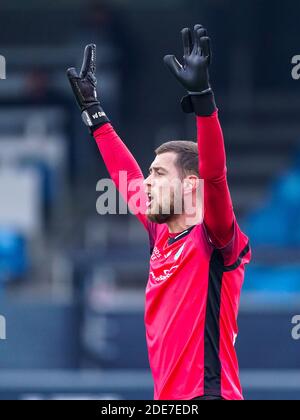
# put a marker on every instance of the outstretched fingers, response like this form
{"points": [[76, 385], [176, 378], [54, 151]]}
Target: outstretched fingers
{"points": [[187, 41], [205, 47], [89, 61], [199, 32], [72, 73]]}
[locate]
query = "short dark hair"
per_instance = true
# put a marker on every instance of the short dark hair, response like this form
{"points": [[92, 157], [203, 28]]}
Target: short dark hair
{"points": [[187, 160]]}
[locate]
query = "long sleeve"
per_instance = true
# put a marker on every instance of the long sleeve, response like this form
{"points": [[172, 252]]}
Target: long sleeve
{"points": [[218, 211], [118, 158]]}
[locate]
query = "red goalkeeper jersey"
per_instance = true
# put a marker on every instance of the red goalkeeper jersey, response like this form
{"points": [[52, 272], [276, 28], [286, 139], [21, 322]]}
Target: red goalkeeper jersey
{"points": [[195, 278], [192, 301]]}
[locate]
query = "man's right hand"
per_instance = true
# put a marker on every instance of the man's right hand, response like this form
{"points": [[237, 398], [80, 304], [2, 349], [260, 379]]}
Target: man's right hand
{"points": [[84, 88], [193, 74]]}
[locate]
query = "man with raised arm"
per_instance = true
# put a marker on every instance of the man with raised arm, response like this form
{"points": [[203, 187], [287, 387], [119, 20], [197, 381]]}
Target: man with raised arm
{"points": [[197, 264]]}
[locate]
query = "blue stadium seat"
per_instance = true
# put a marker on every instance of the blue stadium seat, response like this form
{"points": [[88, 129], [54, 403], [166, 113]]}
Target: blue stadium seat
{"points": [[278, 222], [13, 255], [283, 279], [276, 225]]}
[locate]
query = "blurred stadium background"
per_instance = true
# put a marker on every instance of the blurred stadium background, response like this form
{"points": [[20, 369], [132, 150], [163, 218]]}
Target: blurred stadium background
{"points": [[72, 282]]}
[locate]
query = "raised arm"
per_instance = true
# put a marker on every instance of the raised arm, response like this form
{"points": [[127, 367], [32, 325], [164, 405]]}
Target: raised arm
{"points": [[118, 159], [218, 211], [194, 76], [116, 155]]}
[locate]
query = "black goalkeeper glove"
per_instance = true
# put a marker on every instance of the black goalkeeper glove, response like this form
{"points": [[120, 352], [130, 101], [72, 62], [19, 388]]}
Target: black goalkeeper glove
{"points": [[84, 88], [193, 74]]}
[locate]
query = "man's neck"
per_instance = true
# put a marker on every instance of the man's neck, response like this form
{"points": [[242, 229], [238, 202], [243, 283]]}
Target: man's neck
{"points": [[181, 222]]}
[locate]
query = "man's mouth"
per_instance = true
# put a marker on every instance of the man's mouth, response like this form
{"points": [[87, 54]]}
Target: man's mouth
{"points": [[150, 200]]}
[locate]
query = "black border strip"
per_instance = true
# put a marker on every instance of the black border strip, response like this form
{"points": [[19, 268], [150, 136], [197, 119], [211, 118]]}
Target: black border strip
{"points": [[239, 260], [180, 235], [212, 362]]}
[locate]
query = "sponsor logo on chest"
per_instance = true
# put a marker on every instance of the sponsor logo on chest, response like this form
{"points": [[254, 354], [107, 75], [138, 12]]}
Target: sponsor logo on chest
{"points": [[162, 274]]}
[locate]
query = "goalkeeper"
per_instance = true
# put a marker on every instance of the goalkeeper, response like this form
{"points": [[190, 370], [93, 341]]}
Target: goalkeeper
{"points": [[196, 268]]}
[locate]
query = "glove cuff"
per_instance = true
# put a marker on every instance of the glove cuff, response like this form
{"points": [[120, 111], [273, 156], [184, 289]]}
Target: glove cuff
{"points": [[202, 104], [94, 117]]}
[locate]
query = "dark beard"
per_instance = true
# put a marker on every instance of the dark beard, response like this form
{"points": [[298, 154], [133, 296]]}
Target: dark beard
{"points": [[161, 218]]}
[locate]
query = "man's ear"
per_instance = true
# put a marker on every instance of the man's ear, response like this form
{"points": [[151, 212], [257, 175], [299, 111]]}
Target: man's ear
{"points": [[190, 183]]}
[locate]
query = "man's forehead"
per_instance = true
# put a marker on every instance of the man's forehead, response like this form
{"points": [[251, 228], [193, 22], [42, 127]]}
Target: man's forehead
{"points": [[164, 159]]}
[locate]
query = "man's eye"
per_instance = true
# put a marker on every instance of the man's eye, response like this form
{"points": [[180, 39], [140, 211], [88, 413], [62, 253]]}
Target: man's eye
{"points": [[155, 173]]}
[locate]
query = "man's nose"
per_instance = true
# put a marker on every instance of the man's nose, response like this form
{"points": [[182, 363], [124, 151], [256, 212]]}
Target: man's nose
{"points": [[147, 181]]}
